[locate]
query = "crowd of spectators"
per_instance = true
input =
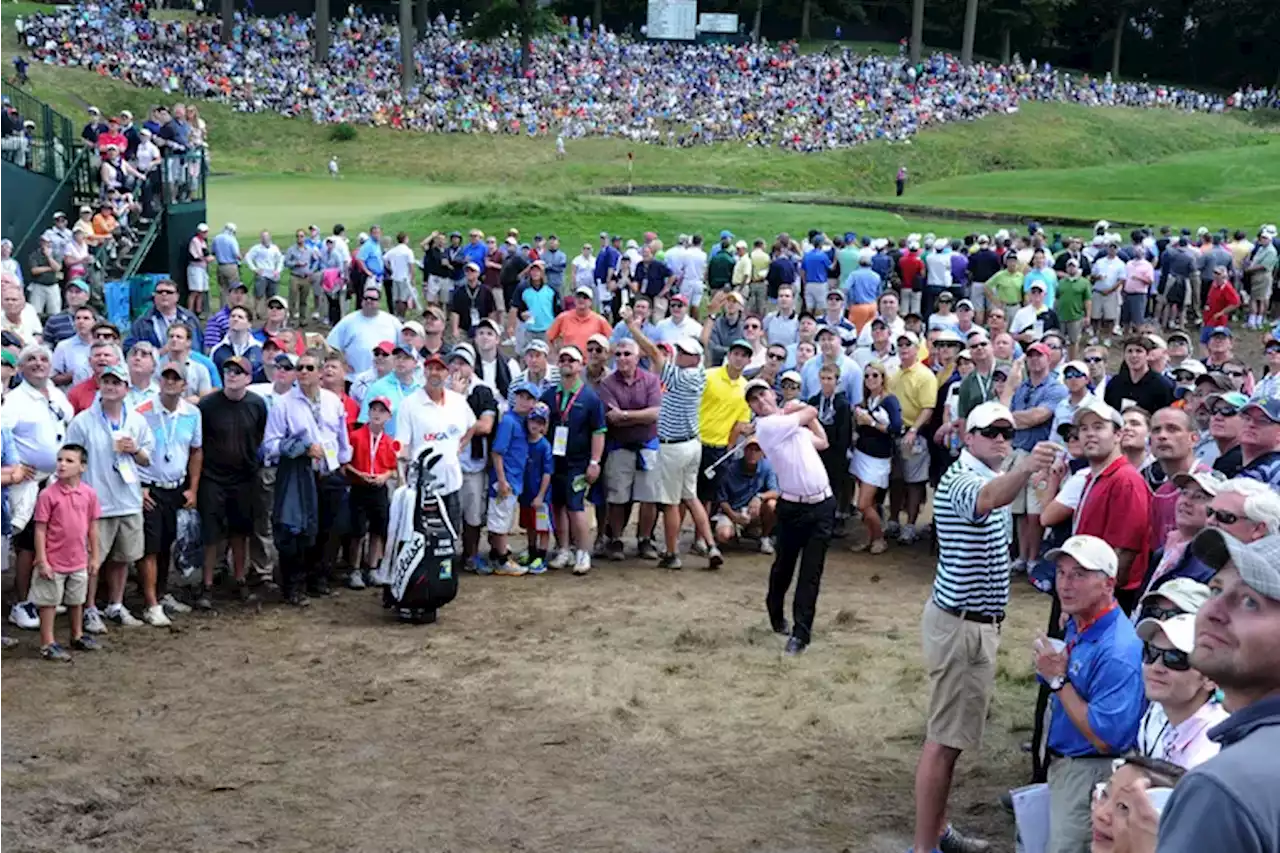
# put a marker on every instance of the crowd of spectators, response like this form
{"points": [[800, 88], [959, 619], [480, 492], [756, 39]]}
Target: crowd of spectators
{"points": [[586, 82]]}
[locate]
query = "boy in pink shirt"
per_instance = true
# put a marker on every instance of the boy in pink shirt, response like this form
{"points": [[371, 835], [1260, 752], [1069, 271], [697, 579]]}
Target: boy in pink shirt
{"points": [[66, 551]]}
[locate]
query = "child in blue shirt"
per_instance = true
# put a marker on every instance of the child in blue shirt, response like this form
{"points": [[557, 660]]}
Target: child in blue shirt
{"points": [[537, 482], [509, 455]]}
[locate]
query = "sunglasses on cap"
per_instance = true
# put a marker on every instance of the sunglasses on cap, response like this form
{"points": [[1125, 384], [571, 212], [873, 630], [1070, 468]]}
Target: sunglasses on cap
{"points": [[1155, 611], [1005, 432], [1274, 346], [1221, 516], [1173, 659]]}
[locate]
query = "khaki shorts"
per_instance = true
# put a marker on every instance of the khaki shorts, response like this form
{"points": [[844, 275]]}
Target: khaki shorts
{"points": [[69, 588], [961, 659], [228, 274], [120, 539], [1071, 782], [912, 468], [1260, 287], [1074, 330], [678, 472], [1025, 503], [474, 494], [1105, 307], [625, 482]]}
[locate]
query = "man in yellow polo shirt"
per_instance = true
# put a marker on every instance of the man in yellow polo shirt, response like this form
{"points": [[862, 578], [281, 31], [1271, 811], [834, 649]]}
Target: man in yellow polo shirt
{"points": [[724, 404], [916, 388]]}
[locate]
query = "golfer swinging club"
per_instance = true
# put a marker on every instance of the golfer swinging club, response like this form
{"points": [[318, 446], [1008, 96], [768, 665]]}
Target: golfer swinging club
{"points": [[791, 438]]}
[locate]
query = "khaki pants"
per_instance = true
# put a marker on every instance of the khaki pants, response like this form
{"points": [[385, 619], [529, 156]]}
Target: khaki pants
{"points": [[299, 287], [1071, 782], [262, 546]]}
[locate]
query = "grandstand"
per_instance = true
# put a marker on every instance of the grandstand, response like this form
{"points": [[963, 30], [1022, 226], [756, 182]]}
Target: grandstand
{"points": [[49, 168]]}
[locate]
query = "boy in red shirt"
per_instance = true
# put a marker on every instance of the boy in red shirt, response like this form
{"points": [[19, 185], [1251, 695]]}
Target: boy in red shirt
{"points": [[372, 466], [66, 517], [1220, 301]]}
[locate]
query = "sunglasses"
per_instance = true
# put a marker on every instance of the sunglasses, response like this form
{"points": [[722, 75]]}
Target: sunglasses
{"points": [[595, 350], [369, 299], [105, 336], [1234, 374], [752, 326], [1005, 432], [1072, 374], [166, 292], [567, 359], [776, 357], [979, 345], [1174, 659], [307, 368], [1155, 611], [1094, 359], [1054, 347], [233, 370], [1272, 348], [1220, 516], [380, 354], [1224, 411]]}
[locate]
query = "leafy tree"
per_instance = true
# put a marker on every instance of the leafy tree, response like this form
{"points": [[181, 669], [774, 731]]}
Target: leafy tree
{"points": [[522, 18]]}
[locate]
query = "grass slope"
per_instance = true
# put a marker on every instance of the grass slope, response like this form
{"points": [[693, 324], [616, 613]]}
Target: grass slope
{"points": [[1039, 136]]}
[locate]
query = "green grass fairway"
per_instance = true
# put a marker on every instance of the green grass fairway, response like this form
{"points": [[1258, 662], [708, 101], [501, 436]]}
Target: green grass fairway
{"points": [[1236, 187]]}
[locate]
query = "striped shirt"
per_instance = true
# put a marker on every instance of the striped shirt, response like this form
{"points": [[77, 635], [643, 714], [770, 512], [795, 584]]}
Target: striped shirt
{"points": [[973, 549], [681, 401]]}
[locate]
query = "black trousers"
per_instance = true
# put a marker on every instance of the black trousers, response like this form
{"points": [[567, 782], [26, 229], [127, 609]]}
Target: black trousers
{"points": [[803, 532], [900, 186], [301, 564]]}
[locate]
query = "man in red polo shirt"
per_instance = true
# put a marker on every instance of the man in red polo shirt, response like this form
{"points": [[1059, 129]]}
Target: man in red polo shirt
{"points": [[102, 355], [1115, 505]]}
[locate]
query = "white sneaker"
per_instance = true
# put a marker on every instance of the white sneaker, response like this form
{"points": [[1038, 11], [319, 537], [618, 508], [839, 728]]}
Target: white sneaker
{"points": [[25, 616], [699, 548], [892, 529], [173, 605], [120, 614], [355, 580], [93, 623], [766, 545], [155, 617], [1018, 567], [561, 559], [908, 534], [583, 563]]}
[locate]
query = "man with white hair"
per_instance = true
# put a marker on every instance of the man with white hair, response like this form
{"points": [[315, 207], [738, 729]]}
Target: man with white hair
{"points": [[226, 252], [36, 413]]}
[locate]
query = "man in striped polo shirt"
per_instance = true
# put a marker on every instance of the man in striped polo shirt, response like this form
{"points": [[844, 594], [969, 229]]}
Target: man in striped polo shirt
{"points": [[961, 623], [679, 440]]}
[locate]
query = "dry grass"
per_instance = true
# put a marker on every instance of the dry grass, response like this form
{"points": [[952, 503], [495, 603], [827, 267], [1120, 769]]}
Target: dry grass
{"points": [[631, 710]]}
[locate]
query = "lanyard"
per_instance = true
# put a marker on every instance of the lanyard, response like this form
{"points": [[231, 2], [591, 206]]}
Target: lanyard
{"points": [[563, 409], [984, 384], [112, 428]]}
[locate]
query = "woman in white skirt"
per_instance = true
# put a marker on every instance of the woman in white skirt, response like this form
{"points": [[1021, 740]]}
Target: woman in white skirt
{"points": [[877, 422]]}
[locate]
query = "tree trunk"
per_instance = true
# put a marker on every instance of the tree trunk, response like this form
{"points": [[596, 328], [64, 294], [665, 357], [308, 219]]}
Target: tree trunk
{"points": [[805, 12], [1006, 46], [422, 16], [527, 10], [970, 28], [322, 31], [228, 20], [1122, 17], [755, 25], [406, 46], [597, 14], [917, 30]]}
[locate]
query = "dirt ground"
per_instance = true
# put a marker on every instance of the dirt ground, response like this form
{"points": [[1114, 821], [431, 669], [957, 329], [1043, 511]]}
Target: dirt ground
{"points": [[631, 710]]}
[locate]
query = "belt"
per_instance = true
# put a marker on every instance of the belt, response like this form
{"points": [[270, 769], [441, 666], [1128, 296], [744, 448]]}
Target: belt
{"points": [[815, 498], [677, 440], [970, 615], [170, 486]]}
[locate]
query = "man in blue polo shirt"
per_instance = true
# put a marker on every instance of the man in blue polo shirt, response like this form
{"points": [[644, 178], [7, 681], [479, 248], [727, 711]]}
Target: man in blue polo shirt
{"points": [[815, 266], [747, 498], [1096, 682]]}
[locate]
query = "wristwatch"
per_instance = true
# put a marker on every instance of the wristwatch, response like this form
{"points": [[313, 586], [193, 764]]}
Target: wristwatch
{"points": [[1057, 683], [595, 461]]}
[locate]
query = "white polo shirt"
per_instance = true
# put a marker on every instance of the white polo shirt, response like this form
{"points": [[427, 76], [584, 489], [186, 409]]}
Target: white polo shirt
{"points": [[795, 461], [39, 425], [421, 423]]}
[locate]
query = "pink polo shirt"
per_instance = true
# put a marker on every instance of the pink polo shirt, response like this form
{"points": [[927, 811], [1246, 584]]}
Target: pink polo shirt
{"points": [[67, 514], [795, 461], [1187, 744]]}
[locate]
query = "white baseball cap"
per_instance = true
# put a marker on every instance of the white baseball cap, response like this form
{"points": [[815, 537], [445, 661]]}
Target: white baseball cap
{"points": [[1093, 406], [986, 414], [1180, 629], [1090, 552], [1187, 594], [690, 346]]}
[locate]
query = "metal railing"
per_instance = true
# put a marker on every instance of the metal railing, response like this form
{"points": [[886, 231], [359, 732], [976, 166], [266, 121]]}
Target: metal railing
{"points": [[145, 243], [46, 141]]}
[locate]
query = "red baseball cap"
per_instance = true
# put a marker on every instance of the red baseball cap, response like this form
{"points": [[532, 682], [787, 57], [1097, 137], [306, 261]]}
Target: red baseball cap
{"points": [[436, 358], [386, 346], [1043, 349]]}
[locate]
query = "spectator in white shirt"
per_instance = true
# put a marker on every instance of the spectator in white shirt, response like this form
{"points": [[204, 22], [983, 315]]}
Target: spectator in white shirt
{"points": [[267, 261], [399, 262], [693, 271], [584, 270]]}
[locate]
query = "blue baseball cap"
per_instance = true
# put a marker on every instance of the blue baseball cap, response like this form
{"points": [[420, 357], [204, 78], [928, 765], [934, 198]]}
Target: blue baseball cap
{"points": [[726, 235], [1220, 330], [1268, 404], [540, 412], [525, 388]]}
